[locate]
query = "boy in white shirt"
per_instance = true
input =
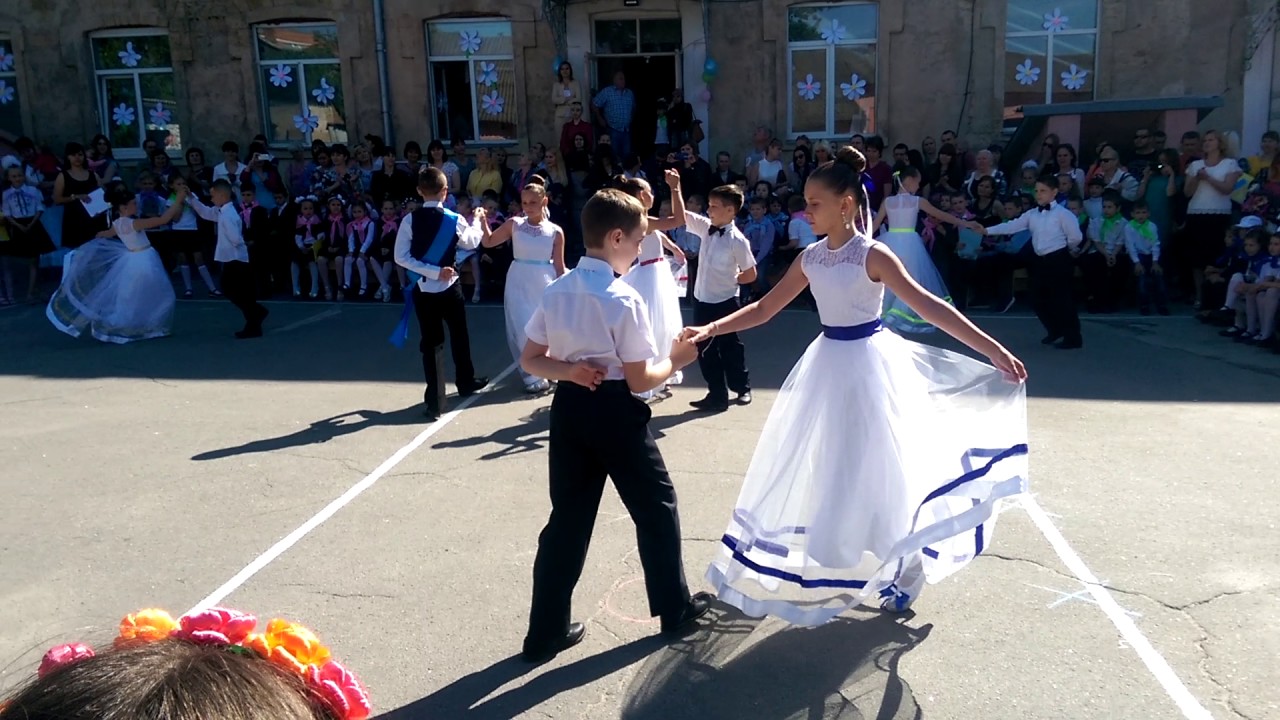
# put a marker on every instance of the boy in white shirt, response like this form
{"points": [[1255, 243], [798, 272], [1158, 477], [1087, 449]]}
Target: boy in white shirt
{"points": [[233, 253], [1142, 241], [591, 334], [725, 263]]}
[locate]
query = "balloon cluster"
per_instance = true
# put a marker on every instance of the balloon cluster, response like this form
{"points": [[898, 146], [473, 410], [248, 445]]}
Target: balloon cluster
{"points": [[709, 71]]}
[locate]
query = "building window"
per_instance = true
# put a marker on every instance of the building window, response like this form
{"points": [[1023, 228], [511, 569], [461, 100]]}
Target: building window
{"points": [[1050, 53], [301, 81], [832, 55], [637, 37], [473, 80], [10, 103], [137, 101]]}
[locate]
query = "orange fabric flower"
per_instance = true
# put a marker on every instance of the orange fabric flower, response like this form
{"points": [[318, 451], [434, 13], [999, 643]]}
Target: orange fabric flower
{"points": [[146, 626], [289, 645]]}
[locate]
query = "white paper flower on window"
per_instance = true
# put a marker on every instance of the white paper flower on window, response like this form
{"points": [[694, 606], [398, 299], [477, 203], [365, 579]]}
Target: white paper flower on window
{"points": [[281, 75], [123, 115], [832, 31], [809, 88], [129, 56], [491, 103], [488, 74], [1073, 77], [325, 93], [306, 122], [1027, 74], [6, 59], [160, 115], [1055, 22], [855, 88], [6, 93], [469, 41]]}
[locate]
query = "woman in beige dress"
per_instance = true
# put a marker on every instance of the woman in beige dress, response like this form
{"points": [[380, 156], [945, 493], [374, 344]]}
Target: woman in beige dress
{"points": [[564, 93]]}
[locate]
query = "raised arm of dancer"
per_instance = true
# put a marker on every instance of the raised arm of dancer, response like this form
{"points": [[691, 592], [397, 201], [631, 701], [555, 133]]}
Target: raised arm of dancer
{"points": [[758, 312], [927, 208], [676, 218], [169, 215], [884, 267], [494, 238]]}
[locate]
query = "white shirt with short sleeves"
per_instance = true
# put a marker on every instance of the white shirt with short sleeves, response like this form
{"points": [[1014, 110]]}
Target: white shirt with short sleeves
{"points": [[722, 258]]}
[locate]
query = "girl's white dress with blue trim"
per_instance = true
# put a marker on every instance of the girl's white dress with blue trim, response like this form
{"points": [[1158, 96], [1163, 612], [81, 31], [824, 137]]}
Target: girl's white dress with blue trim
{"points": [[903, 211], [530, 273], [879, 467]]}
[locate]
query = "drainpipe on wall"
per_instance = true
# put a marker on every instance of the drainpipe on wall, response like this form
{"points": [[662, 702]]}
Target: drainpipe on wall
{"points": [[380, 49]]}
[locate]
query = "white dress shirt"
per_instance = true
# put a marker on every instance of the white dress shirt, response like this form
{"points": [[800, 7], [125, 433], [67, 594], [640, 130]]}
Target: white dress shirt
{"points": [[722, 257], [220, 172], [1051, 230], [1138, 244], [469, 237], [231, 247], [589, 315]]}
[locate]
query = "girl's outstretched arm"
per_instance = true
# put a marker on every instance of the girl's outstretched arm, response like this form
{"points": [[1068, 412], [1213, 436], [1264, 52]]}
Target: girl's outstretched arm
{"points": [[494, 238], [884, 267], [758, 312]]}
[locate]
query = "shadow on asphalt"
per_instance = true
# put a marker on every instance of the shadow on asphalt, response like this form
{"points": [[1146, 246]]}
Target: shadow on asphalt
{"points": [[845, 669], [322, 431]]}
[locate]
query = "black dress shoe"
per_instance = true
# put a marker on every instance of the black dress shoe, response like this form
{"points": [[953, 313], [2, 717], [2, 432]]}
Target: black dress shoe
{"points": [[431, 411], [249, 332], [1050, 339], [697, 606], [744, 398], [710, 404], [1070, 344], [542, 652], [469, 389]]}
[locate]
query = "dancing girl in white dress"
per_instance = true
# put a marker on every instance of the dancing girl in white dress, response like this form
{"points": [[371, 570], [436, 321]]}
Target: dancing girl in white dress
{"points": [[118, 290], [651, 277], [537, 245], [902, 211], [882, 459]]}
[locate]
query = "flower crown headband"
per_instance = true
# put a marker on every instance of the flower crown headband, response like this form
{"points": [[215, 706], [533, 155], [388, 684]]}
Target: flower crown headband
{"points": [[287, 645]]}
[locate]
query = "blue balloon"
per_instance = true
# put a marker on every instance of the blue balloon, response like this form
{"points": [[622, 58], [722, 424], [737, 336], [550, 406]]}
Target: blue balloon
{"points": [[555, 65], [711, 67]]}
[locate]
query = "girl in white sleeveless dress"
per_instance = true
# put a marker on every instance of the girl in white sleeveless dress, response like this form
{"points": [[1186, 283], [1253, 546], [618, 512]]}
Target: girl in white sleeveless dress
{"points": [[902, 212], [537, 245], [881, 461], [118, 290]]}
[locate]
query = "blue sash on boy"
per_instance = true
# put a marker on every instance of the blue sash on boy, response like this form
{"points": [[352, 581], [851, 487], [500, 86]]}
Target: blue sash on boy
{"points": [[434, 242]]}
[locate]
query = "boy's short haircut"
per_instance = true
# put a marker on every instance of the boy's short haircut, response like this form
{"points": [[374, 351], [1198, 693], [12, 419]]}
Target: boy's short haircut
{"points": [[1096, 181], [248, 187], [796, 203], [1141, 204], [758, 201], [729, 195], [230, 146], [432, 181], [1191, 135], [222, 185], [489, 195], [1113, 196], [697, 199], [606, 211], [1257, 234]]}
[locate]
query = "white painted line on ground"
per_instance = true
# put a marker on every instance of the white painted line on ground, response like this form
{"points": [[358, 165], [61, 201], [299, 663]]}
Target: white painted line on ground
{"points": [[331, 312], [1155, 662], [343, 500]]}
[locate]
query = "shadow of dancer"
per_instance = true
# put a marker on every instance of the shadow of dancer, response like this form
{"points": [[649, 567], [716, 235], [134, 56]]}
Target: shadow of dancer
{"points": [[322, 431], [530, 435]]}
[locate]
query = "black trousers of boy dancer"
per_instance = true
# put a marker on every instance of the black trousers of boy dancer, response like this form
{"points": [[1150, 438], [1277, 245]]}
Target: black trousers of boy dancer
{"points": [[435, 311], [723, 358], [595, 434], [238, 285], [1051, 296]]}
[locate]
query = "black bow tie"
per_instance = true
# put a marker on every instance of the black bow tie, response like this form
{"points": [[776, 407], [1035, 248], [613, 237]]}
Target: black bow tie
{"points": [[719, 230], [1046, 208]]}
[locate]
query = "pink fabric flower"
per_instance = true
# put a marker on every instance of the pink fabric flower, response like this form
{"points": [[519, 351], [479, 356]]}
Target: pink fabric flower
{"points": [[215, 626], [63, 655], [339, 688]]}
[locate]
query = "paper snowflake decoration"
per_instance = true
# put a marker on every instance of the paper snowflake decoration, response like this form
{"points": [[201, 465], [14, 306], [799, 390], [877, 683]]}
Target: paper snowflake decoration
{"points": [[855, 88], [1027, 74], [325, 93], [281, 75], [123, 115], [809, 88], [1055, 22], [160, 115], [6, 59], [6, 93], [1073, 77], [832, 31], [306, 122], [129, 56], [491, 103], [469, 41], [488, 74]]}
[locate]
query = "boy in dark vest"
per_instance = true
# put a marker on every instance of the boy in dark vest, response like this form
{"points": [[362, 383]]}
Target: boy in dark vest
{"points": [[426, 245]]}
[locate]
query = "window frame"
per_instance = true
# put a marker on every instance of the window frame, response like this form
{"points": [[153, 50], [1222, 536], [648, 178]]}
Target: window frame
{"points": [[831, 82], [99, 89], [11, 80], [1048, 36], [471, 61], [261, 65]]}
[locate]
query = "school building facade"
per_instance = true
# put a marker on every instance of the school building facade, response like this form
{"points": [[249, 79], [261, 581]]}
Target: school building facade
{"points": [[194, 72]]}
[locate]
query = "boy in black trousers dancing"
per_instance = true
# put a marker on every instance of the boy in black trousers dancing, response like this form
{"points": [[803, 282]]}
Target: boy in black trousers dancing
{"points": [[591, 333]]}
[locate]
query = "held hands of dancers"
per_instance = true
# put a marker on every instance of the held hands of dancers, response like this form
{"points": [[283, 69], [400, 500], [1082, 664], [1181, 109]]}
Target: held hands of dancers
{"points": [[447, 274]]}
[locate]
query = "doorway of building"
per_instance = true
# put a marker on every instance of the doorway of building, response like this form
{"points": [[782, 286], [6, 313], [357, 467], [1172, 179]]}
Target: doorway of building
{"points": [[647, 51]]}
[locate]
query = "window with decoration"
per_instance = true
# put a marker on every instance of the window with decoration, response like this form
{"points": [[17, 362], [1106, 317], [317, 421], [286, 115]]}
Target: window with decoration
{"points": [[832, 57], [137, 100], [301, 81], [10, 103], [473, 80], [1050, 53]]}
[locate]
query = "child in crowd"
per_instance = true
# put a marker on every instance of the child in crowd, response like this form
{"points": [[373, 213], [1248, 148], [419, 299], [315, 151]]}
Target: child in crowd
{"points": [[185, 239], [150, 202], [280, 221], [1142, 241], [6, 270], [1106, 276], [779, 217], [257, 235], [761, 233], [799, 231], [1231, 260], [381, 259], [22, 207], [1253, 262], [362, 232], [1093, 203], [334, 253], [308, 240], [1262, 300]]}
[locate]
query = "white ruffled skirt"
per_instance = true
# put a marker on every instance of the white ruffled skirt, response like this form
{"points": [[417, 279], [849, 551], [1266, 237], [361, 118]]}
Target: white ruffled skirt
{"points": [[117, 295], [910, 249], [526, 281], [657, 285], [881, 458]]}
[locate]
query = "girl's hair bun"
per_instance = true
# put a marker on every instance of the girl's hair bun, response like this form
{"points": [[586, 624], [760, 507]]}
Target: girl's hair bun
{"points": [[852, 157]]}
